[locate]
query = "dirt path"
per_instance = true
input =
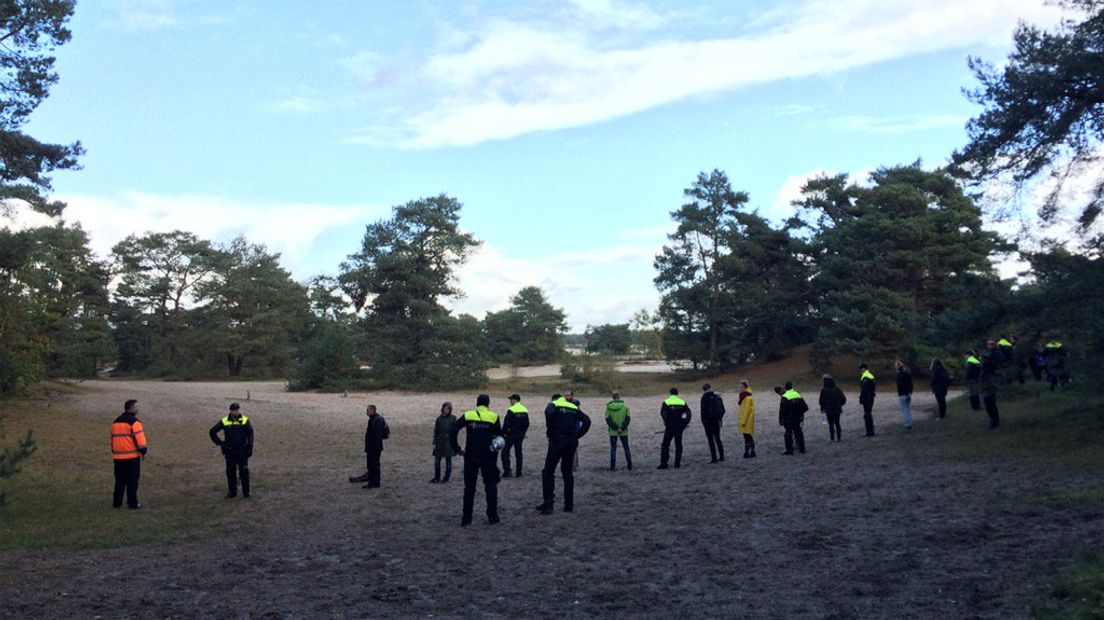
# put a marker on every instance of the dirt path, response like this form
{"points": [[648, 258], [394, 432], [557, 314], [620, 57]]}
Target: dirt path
{"points": [[865, 528]]}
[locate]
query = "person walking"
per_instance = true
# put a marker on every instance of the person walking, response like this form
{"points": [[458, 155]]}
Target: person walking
{"points": [[791, 415], [442, 445], [617, 419], [514, 430], [973, 379], [745, 421], [676, 417], [712, 414], [867, 391], [480, 456], [990, 375], [832, 400], [128, 448], [904, 393], [565, 425], [376, 431], [940, 383], [237, 446]]}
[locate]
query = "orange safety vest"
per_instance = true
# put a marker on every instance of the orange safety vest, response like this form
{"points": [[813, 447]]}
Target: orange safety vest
{"points": [[127, 440]]}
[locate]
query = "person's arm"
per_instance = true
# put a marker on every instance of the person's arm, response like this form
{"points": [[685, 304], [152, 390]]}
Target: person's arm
{"points": [[248, 438], [585, 420], [609, 422], [842, 397], [139, 436], [454, 435], [214, 433], [689, 416], [628, 418], [498, 427], [664, 414]]}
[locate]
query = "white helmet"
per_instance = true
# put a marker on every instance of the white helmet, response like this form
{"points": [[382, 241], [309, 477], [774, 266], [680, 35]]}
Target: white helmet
{"points": [[497, 444]]}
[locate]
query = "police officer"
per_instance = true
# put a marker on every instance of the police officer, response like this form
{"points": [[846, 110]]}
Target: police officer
{"points": [[990, 370], [712, 413], [480, 457], [791, 414], [565, 424], [867, 391], [237, 447], [676, 417], [1055, 355], [128, 448], [514, 429], [973, 379]]}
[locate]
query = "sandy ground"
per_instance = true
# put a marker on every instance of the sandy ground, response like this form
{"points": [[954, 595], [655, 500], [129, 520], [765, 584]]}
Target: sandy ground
{"points": [[868, 528]]}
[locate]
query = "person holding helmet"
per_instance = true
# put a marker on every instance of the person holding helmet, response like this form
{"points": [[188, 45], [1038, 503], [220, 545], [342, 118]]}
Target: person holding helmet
{"points": [[565, 424], [237, 447], [480, 452]]}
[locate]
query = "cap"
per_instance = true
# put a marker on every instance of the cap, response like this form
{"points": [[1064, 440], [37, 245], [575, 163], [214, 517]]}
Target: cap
{"points": [[515, 397], [234, 406]]}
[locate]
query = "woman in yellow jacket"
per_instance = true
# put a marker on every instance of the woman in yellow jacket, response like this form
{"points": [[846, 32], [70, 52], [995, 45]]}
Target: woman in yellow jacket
{"points": [[745, 423]]}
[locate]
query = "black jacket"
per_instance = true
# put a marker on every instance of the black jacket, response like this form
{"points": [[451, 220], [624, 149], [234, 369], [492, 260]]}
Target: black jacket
{"points": [[675, 417], [234, 436], [904, 383], [868, 388], [564, 419], [792, 411], [940, 380], [376, 432], [516, 425], [832, 398], [477, 442], [712, 407]]}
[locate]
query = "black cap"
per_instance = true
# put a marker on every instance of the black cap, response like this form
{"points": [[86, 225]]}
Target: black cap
{"points": [[234, 406], [515, 397]]}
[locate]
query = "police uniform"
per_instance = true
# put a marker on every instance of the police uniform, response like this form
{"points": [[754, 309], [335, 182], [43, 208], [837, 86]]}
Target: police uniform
{"points": [[237, 447], [514, 430], [565, 424], [867, 391], [791, 415], [676, 417], [479, 459]]}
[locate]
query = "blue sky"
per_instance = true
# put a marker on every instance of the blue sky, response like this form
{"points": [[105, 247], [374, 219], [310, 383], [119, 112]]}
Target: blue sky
{"points": [[567, 129]]}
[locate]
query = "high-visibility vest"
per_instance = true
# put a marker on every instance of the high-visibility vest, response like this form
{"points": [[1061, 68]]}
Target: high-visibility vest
{"points": [[563, 403], [866, 375], [973, 360], [1004, 343], [481, 414], [127, 440], [1054, 345], [791, 395], [518, 409], [673, 400], [226, 421]]}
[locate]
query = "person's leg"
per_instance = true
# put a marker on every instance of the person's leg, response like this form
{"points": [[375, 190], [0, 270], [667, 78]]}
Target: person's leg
{"points": [[134, 473], [751, 440], [490, 487], [991, 409], [720, 445], [831, 428], [628, 453], [374, 469], [436, 469], [471, 476], [799, 437], [569, 475], [506, 457], [747, 445], [448, 469], [788, 437], [120, 483], [678, 448], [613, 452], [941, 402], [709, 438], [548, 474], [665, 448], [231, 475], [868, 417], [243, 473]]}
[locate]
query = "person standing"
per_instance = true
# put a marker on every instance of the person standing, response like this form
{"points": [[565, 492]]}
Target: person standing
{"points": [[904, 393], [442, 445], [565, 424], [480, 458], [514, 430], [712, 414], [745, 421], [676, 417], [990, 373], [1055, 355], [617, 419], [867, 391], [237, 446], [374, 435], [1037, 364], [973, 379], [832, 400], [128, 448], [940, 383], [791, 415], [570, 397]]}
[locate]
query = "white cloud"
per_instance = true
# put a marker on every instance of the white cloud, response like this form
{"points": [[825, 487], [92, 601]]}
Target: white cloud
{"points": [[895, 124], [159, 14], [309, 104], [512, 77], [288, 228]]}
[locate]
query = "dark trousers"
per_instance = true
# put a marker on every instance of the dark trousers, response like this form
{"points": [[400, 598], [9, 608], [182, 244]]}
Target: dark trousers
{"points": [[868, 416], [613, 451], [561, 451], [794, 433], [749, 444], [941, 400], [835, 432], [237, 464], [472, 471], [515, 444], [127, 472], [713, 436], [437, 467], [991, 409], [665, 447], [373, 467]]}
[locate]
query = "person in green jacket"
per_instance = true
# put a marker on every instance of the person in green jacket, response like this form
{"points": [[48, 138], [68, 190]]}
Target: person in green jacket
{"points": [[617, 419], [442, 446]]}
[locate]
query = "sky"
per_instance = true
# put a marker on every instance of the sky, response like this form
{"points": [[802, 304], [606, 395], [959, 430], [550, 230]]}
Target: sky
{"points": [[567, 129]]}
